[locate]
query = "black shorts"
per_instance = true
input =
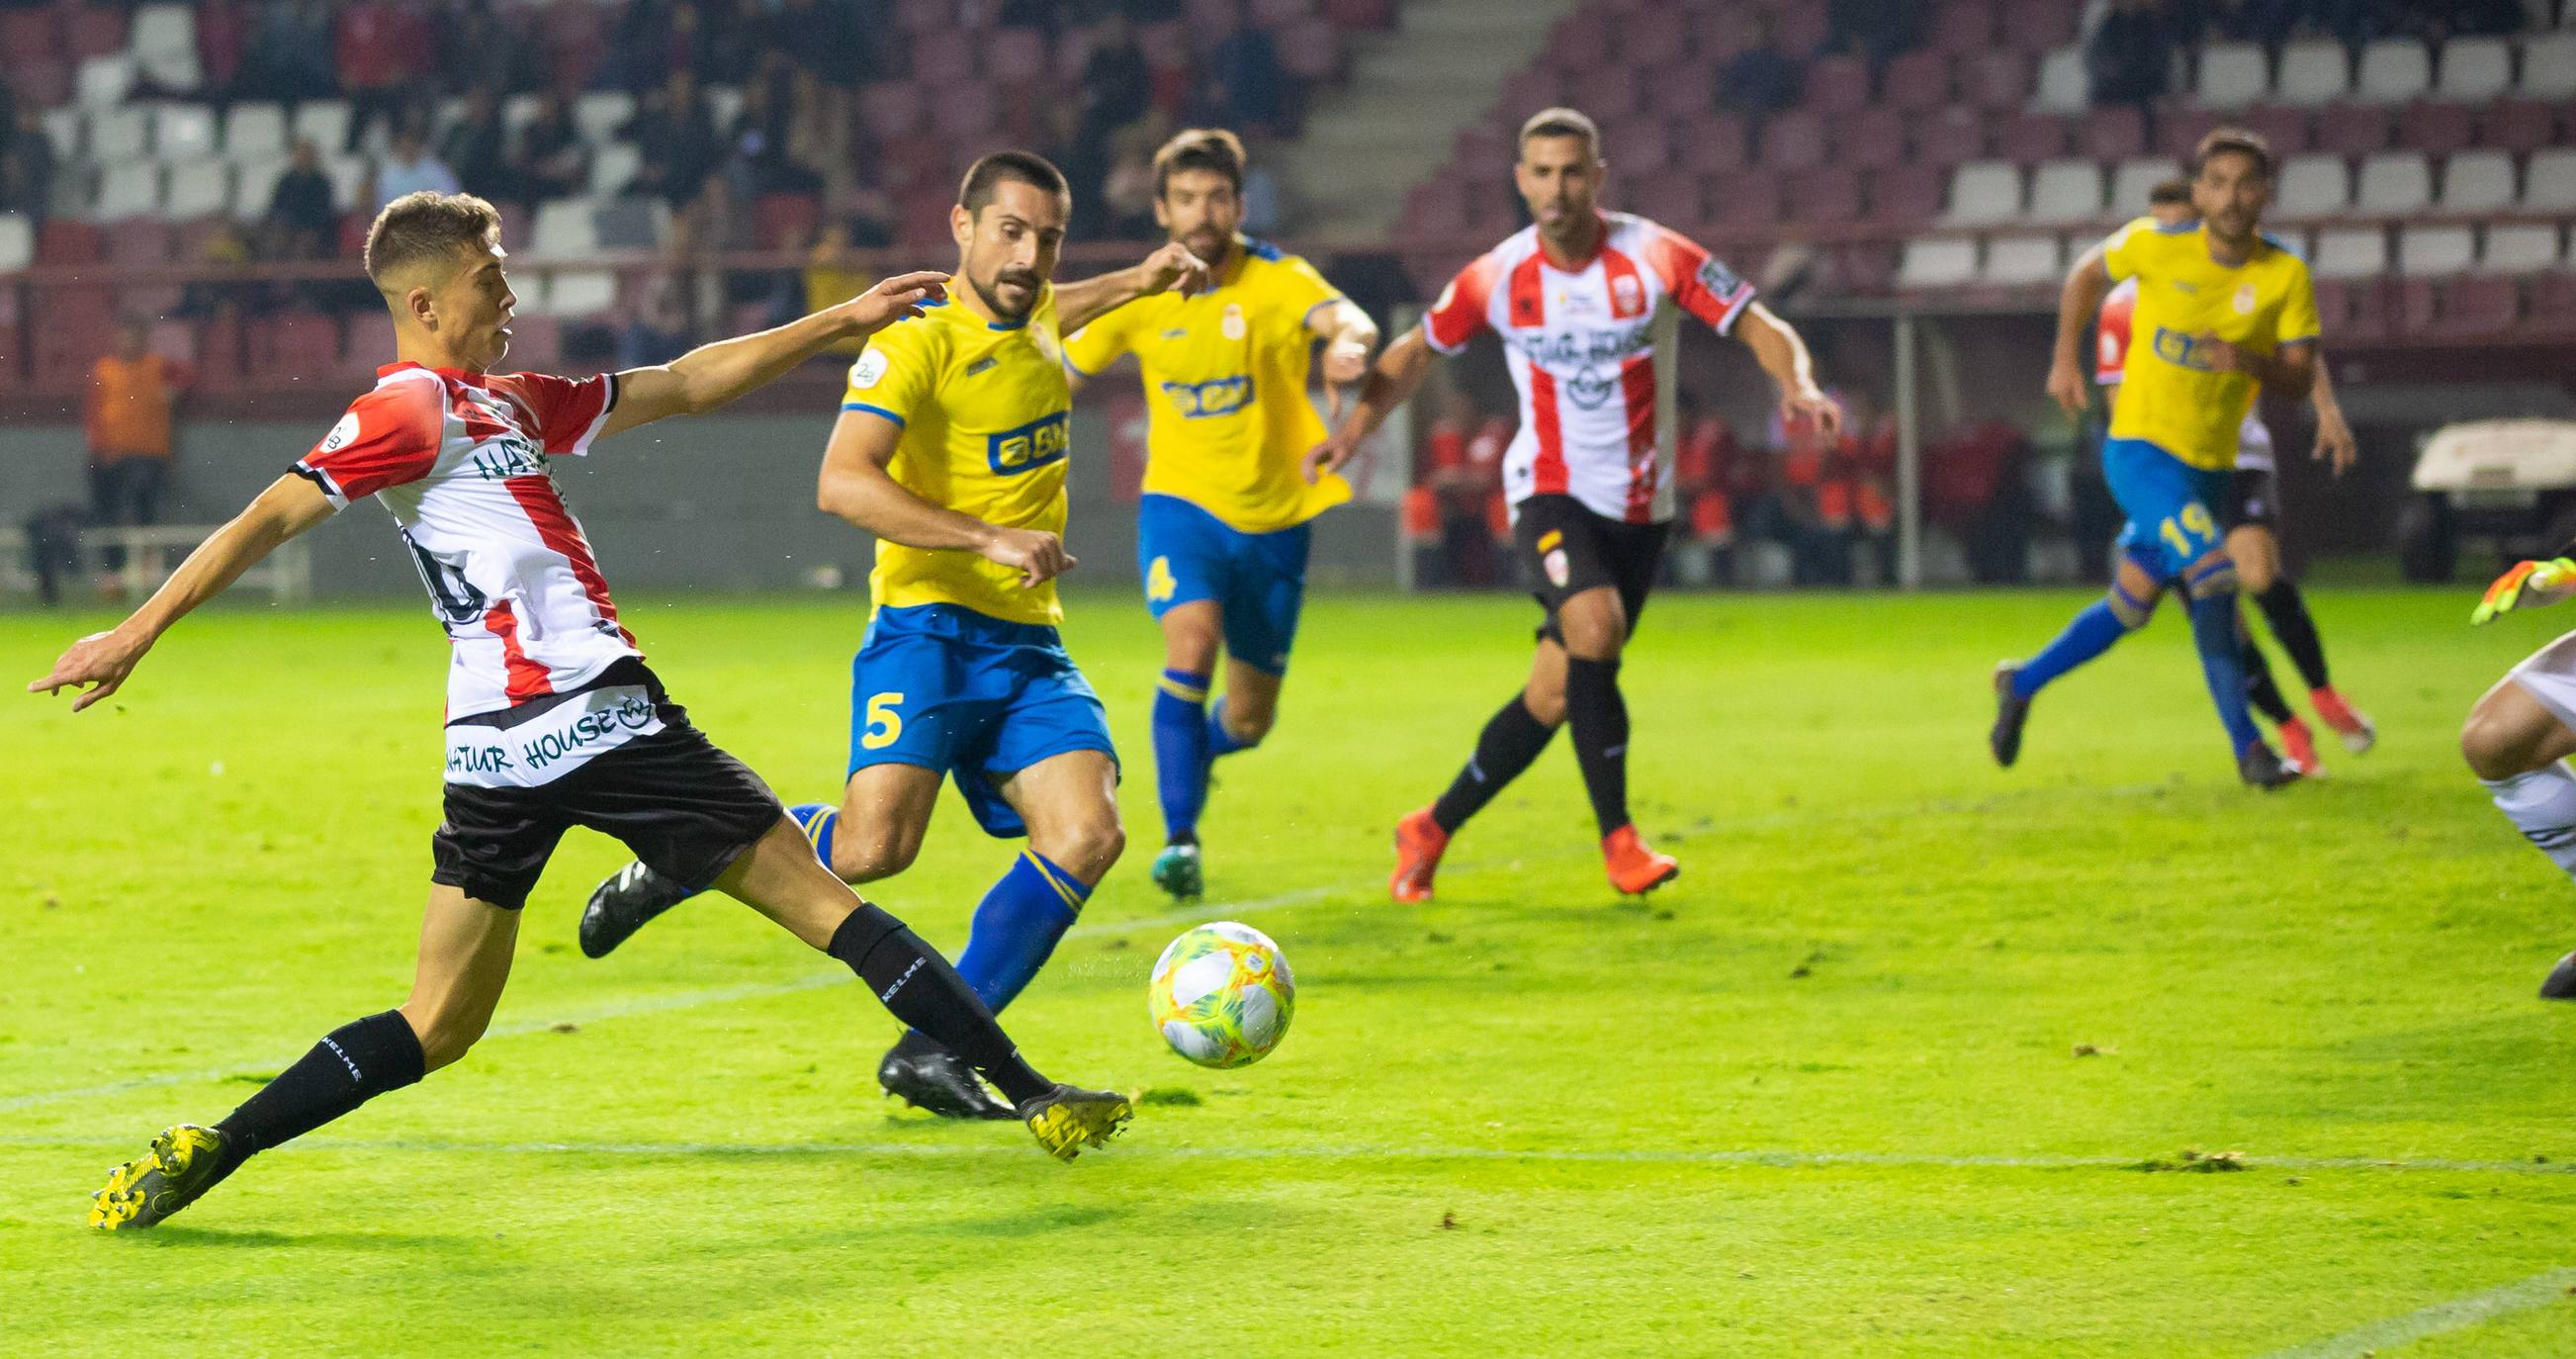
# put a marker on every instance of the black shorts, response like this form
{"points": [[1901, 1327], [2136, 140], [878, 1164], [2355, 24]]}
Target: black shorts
{"points": [[2253, 497], [1568, 549], [686, 808]]}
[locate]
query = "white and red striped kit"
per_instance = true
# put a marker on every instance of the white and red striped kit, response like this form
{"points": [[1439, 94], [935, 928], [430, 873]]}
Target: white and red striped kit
{"points": [[1582, 355], [459, 459]]}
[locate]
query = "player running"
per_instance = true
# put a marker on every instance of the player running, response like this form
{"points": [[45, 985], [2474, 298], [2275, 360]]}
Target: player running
{"points": [[1221, 531], [950, 448], [553, 719], [1573, 298], [2226, 310], [2253, 508], [2519, 735]]}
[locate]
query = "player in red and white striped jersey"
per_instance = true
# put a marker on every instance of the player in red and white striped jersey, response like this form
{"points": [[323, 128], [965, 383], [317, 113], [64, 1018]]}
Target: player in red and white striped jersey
{"points": [[553, 719], [1573, 298]]}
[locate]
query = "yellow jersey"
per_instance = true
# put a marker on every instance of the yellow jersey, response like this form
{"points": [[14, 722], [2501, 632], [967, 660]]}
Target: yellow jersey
{"points": [[1225, 388], [984, 410], [2169, 395]]}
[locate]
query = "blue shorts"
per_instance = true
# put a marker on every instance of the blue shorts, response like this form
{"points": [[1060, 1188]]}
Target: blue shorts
{"points": [[1259, 579], [971, 696], [2171, 505]]}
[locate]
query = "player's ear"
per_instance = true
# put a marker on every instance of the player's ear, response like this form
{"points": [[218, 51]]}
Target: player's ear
{"points": [[961, 224], [420, 307], [1162, 215]]}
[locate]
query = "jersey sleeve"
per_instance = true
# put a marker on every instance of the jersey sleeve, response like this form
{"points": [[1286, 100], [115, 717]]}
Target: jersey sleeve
{"points": [[1297, 288], [388, 437], [2123, 251], [2298, 324], [895, 377], [564, 413], [1088, 352], [1698, 280], [1464, 307]]}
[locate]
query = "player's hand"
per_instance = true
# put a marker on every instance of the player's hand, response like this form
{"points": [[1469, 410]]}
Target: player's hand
{"points": [[2335, 444], [2066, 387], [101, 660], [2528, 585], [1810, 405], [2223, 357], [1172, 267], [1328, 456], [892, 300], [1038, 555], [1345, 363]]}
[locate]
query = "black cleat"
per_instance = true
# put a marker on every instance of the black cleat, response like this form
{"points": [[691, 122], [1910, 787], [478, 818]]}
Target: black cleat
{"points": [[2260, 768], [623, 903], [2562, 980], [938, 1080], [2010, 712]]}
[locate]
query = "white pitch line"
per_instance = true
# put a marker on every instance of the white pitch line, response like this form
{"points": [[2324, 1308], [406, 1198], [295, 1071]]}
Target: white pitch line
{"points": [[2539, 1290]]}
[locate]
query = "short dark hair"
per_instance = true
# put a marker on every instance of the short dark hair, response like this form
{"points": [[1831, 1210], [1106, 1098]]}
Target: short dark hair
{"points": [[2222, 140], [1008, 167], [1562, 122], [1212, 149], [2167, 193], [427, 226]]}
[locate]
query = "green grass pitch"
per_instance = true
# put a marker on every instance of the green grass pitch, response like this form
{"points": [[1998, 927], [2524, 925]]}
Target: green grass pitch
{"points": [[1878, 1076]]}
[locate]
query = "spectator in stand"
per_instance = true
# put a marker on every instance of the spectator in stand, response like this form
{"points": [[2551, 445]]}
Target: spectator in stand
{"points": [[477, 49], [1976, 485], [1761, 79], [27, 167], [289, 54], [303, 221], [1117, 83], [1858, 499], [410, 168], [2129, 58], [756, 147], [132, 395], [1084, 159], [1874, 30], [552, 160], [1463, 453], [475, 147], [1247, 88], [676, 136], [822, 137], [223, 27], [1705, 464], [1129, 191], [658, 332], [223, 250], [376, 46], [639, 47], [832, 38], [1265, 209]]}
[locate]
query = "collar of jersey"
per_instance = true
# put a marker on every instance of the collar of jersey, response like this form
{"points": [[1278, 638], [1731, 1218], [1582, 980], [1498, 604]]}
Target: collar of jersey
{"points": [[451, 374], [1600, 243]]}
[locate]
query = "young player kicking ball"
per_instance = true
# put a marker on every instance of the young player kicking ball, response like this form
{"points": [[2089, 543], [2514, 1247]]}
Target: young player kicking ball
{"points": [[553, 719]]}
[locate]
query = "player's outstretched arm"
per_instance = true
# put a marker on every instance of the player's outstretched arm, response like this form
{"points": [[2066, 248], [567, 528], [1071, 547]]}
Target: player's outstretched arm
{"points": [[1084, 301], [2336, 445], [1391, 382], [855, 486], [102, 660], [711, 375], [1777, 346], [2077, 304], [1349, 338]]}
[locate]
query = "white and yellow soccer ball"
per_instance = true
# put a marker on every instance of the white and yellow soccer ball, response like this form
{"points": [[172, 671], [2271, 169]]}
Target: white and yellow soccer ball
{"points": [[1222, 995]]}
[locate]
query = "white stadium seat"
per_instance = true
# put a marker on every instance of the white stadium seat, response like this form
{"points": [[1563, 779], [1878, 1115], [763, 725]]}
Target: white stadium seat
{"points": [[2393, 71], [2549, 182], [254, 185], [2313, 73], [518, 111], [2477, 181], [2313, 186], [119, 134], [600, 112], [582, 293], [199, 187], [725, 102], [183, 132], [173, 71], [2520, 249], [64, 127], [2063, 191], [103, 82], [131, 189], [612, 165], [2549, 67], [2436, 250], [1984, 191], [565, 230], [2394, 182], [160, 30], [2350, 252], [326, 121], [255, 130], [1943, 262], [2016, 260], [2134, 179], [2063, 86], [2232, 75], [17, 242], [349, 176], [2475, 68]]}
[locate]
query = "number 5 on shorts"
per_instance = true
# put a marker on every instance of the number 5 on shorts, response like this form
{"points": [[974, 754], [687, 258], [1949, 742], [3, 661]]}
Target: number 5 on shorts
{"points": [[884, 723], [2194, 520]]}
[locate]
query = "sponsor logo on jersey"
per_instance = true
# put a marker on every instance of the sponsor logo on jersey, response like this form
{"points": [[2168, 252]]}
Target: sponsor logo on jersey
{"points": [[1589, 390], [1566, 349], [1216, 396], [1718, 279], [982, 365], [1030, 447], [553, 744], [2182, 351]]}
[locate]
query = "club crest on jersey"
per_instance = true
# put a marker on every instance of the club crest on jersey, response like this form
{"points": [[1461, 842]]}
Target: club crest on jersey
{"points": [[1589, 390], [1030, 447], [2245, 299], [342, 434], [1231, 324], [1627, 296]]}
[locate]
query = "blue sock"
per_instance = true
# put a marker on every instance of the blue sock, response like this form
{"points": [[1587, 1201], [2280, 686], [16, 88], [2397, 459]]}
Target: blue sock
{"points": [[1017, 925], [2213, 631], [818, 820], [2091, 634], [1221, 741], [1181, 750]]}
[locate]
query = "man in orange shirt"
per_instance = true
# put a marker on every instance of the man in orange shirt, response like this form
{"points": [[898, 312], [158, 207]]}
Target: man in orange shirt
{"points": [[131, 394]]}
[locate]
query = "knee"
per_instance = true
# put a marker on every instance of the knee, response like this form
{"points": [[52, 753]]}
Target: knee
{"points": [[1247, 723], [1594, 636], [2491, 746], [1547, 705], [1087, 849], [2255, 573], [2130, 604], [2212, 577], [869, 858]]}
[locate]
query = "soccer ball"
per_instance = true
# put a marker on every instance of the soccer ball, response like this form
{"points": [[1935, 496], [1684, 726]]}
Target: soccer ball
{"points": [[1222, 995]]}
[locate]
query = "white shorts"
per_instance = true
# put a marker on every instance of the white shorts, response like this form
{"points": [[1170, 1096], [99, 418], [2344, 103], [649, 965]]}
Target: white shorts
{"points": [[2549, 675]]}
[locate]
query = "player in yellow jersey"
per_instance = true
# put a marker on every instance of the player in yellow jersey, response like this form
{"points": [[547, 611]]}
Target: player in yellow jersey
{"points": [[2222, 311], [951, 448], [1221, 532]]}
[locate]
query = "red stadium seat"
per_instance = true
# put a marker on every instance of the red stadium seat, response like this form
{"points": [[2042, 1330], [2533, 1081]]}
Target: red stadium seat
{"points": [[2115, 133], [138, 243], [925, 16], [967, 113], [1533, 89], [2481, 304], [1437, 207], [2416, 310], [1794, 140], [1951, 136], [891, 109], [1962, 27], [1870, 138], [295, 345], [1642, 147], [94, 30], [2030, 137], [2367, 313], [1916, 82], [42, 82], [784, 221], [1377, 15], [1714, 143], [2436, 128], [1837, 84], [924, 220], [1580, 42], [25, 34], [63, 241], [1673, 200], [2334, 306], [2553, 302], [2520, 125], [1679, 90], [1997, 78], [1868, 269], [2284, 127], [1748, 200], [1655, 35], [1905, 196], [1828, 195], [943, 65], [1616, 100], [1800, 29], [1312, 51], [2039, 25], [2352, 129], [1015, 54], [2179, 130]]}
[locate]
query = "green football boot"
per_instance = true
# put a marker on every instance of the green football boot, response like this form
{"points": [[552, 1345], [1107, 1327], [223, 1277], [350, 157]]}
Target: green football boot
{"points": [[1176, 870]]}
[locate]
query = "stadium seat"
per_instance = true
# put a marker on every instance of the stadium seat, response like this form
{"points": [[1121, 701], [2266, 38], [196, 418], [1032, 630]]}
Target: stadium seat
{"points": [[2430, 250], [1916, 82], [2520, 249], [2475, 69], [129, 189], [2017, 261], [1950, 137], [2350, 252], [1998, 78], [295, 346], [121, 134], [1837, 84], [2063, 86], [2393, 183], [1985, 191], [892, 108], [138, 243], [2134, 179], [2063, 191], [1828, 195], [2553, 301], [93, 31], [2417, 311], [1673, 200], [17, 242], [2232, 75], [600, 113], [254, 185], [27, 30], [613, 166], [1801, 28], [2313, 186], [68, 129], [2179, 129], [2519, 125], [104, 82], [2393, 71], [1870, 139], [2437, 128], [183, 132], [2312, 73], [1714, 143], [2549, 181], [2289, 130], [2351, 130], [349, 176], [1644, 148], [2113, 134], [2478, 305], [326, 121], [200, 187], [1939, 262], [1654, 32], [2028, 137], [1903, 197], [255, 130], [1747, 200], [581, 292], [2477, 181], [1794, 140], [163, 29], [2548, 67], [1962, 27], [1017, 55], [633, 223], [64, 241], [566, 230]]}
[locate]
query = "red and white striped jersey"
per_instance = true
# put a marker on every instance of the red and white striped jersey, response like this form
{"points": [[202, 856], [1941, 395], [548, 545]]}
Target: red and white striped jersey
{"points": [[2111, 359], [1582, 354], [459, 459]]}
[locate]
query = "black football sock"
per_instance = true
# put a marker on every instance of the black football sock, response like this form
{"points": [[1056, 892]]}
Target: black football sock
{"points": [[1598, 717], [1511, 740], [352, 1064], [922, 990], [2295, 630], [2259, 688]]}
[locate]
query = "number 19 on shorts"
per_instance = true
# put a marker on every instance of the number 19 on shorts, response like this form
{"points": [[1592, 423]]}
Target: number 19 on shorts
{"points": [[2189, 533]]}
